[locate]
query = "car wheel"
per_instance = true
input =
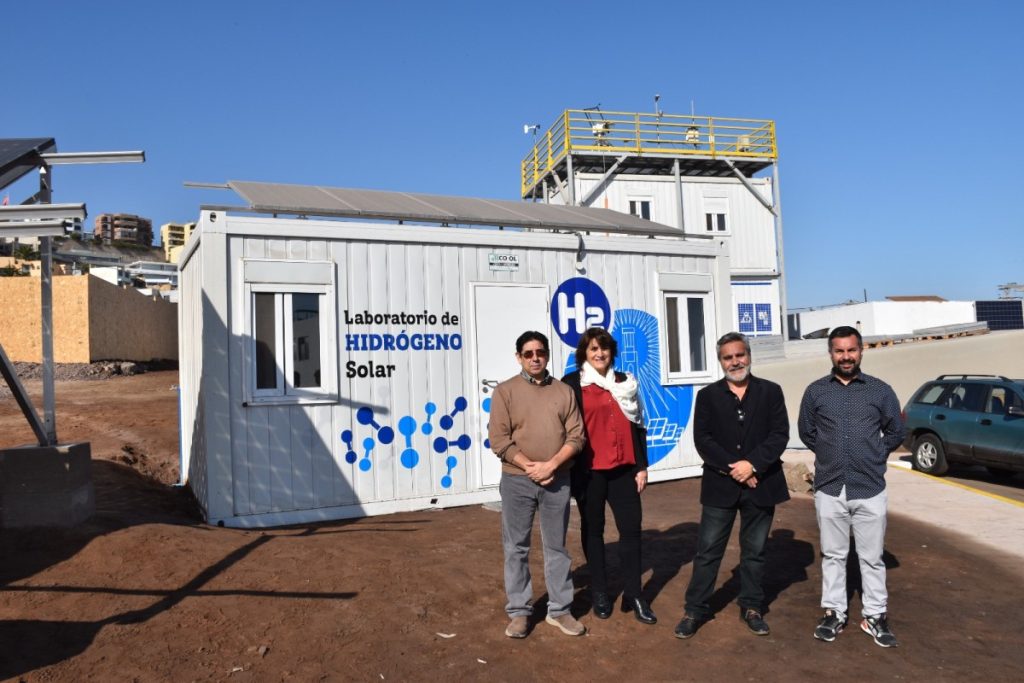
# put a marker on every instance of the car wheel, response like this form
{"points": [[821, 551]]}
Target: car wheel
{"points": [[1000, 473], [929, 456]]}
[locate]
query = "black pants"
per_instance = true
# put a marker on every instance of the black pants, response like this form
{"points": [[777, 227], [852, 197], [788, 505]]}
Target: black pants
{"points": [[715, 528], [617, 487]]}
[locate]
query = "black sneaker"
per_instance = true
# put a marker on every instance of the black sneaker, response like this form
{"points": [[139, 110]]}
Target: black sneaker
{"points": [[878, 628], [687, 627], [830, 626], [755, 622]]}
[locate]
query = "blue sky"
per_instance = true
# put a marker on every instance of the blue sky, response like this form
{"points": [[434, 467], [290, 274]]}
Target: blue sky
{"points": [[900, 124]]}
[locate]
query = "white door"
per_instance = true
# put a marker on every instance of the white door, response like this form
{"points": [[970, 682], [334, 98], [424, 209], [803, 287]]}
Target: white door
{"points": [[502, 312]]}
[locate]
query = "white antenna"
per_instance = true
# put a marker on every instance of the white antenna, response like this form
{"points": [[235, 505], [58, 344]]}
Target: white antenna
{"points": [[527, 129], [691, 109], [657, 111]]}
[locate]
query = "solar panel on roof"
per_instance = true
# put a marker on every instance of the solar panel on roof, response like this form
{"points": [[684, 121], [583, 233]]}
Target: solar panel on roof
{"points": [[312, 200], [18, 156]]}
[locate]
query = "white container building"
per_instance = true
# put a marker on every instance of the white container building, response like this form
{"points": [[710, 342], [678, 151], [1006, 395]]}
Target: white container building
{"points": [[339, 362]]}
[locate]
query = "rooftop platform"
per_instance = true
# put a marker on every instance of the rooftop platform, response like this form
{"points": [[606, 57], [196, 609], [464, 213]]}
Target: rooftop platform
{"points": [[647, 144]]}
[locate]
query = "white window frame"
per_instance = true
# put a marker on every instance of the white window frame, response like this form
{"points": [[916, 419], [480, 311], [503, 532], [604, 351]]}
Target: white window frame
{"points": [[291, 274], [717, 206], [682, 287], [650, 207]]}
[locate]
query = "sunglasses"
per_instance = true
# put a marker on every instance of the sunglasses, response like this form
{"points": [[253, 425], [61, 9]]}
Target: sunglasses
{"points": [[529, 353]]}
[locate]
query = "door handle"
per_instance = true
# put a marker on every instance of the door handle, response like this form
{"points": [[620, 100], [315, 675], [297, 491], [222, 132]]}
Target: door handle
{"points": [[940, 416], [489, 384], [986, 422]]}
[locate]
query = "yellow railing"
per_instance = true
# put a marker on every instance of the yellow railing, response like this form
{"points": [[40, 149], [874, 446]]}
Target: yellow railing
{"points": [[610, 132]]}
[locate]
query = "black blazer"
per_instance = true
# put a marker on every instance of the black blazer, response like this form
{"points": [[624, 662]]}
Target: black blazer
{"points": [[639, 431], [761, 438]]}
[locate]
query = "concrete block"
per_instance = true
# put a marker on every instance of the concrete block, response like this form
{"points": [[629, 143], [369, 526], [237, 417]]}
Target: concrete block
{"points": [[46, 486]]}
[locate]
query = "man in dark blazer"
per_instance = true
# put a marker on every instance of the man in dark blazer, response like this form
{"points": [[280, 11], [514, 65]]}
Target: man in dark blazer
{"points": [[741, 429]]}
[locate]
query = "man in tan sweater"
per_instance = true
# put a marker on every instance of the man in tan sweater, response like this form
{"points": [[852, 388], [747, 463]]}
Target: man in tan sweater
{"points": [[535, 429]]}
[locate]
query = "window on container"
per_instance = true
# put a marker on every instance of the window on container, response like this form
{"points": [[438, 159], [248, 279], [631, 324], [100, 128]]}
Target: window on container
{"points": [[288, 357], [686, 333], [716, 214], [641, 208]]}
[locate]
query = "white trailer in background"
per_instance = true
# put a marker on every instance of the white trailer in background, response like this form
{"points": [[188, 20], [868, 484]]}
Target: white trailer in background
{"points": [[343, 367]]}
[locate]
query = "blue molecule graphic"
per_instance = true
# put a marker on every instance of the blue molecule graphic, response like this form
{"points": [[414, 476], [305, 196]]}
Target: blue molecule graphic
{"points": [[429, 409], [450, 462], [486, 405], [365, 464], [350, 455], [386, 435], [364, 415], [410, 457], [447, 422]]}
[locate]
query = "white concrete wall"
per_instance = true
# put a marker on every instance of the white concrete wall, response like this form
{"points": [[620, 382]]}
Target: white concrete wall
{"points": [[878, 318]]}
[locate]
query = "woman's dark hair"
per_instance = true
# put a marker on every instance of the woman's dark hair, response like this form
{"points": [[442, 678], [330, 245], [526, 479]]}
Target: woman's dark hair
{"points": [[529, 336], [604, 340]]}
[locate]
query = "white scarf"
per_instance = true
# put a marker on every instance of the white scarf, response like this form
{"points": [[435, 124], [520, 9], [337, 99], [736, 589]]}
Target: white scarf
{"points": [[625, 393]]}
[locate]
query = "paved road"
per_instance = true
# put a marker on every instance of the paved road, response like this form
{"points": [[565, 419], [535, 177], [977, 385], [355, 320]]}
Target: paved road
{"points": [[979, 478]]}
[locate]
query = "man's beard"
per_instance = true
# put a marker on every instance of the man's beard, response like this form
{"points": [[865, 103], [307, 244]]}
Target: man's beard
{"points": [[738, 375], [852, 372]]}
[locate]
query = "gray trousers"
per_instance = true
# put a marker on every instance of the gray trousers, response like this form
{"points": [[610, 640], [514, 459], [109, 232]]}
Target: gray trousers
{"points": [[836, 516], [520, 501]]}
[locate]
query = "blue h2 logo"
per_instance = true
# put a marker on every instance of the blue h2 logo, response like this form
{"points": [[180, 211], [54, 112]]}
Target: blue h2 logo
{"points": [[579, 304]]}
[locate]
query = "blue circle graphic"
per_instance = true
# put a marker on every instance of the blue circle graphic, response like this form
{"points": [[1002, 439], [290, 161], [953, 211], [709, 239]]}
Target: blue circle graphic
{"points": [[410, 458], [579, 303], [351, 457], [365, 465], [386, 435], [407, 426], [364, 415], [446, 482], [447, 422]]}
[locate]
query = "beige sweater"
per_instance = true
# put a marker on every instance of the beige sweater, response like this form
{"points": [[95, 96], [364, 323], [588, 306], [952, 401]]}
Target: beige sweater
{"points": [[535, 420]]}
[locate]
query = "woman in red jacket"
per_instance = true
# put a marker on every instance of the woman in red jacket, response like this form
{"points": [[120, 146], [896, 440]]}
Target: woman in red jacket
{"points": [[612, 469]]}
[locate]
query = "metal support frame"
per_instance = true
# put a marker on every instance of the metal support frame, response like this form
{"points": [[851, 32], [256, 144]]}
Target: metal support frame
{"points": [[570, 179], [777, 197], [559, 187], [603, 182], [680, 216], [21, 396], [46, 319], [746, 183]]}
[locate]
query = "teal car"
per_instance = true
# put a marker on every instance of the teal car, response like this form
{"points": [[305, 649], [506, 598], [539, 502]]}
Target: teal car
{"points": [[971, 419]]}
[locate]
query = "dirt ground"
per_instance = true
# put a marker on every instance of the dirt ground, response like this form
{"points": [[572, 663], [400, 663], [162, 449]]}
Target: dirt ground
{"points": [[144, 591]]}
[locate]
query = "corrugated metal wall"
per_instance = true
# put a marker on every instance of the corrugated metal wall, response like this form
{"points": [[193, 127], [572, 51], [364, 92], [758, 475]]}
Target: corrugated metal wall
{"points": [[751, 233], [293, 457]]}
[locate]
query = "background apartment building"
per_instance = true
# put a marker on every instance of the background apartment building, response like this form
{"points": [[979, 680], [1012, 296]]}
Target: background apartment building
{"points": [[124, 227], [173, 237]]}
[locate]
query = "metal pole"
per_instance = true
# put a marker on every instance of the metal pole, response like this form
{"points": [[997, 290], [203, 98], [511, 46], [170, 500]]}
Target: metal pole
{"points": [[46, 317], [777, 200], [570, 179], [679, 196]]}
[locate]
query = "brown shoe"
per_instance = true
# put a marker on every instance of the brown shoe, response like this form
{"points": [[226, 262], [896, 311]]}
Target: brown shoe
{"points": [[567, 624], [516, 628]]}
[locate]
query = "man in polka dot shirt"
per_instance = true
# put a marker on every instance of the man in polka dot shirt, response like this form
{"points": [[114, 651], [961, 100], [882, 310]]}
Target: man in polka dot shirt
{"points": [[852, 422]]}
